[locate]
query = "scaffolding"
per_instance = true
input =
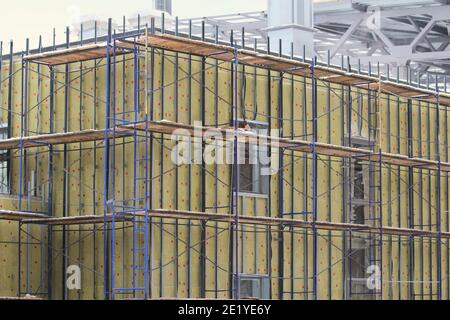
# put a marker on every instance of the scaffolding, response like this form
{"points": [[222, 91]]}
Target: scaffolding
{"points": [[138, 128]]}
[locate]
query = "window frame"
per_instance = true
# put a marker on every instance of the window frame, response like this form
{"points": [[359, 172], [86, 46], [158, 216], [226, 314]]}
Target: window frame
{"points": [[263, 285], [260, 183], [4, 163]]}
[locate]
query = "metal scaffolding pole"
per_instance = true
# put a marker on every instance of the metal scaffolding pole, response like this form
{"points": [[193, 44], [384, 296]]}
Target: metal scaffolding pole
{"points": [[236, 173], [315, 181], [106, 185], [438, 196], [281, 178]]}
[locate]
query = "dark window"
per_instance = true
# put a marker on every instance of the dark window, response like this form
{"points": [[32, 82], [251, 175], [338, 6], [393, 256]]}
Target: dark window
{"points": [[358, 183], [358, 250], [246, 178], [253, 177], [4, 181], [358, 264], [359, 215], [253, 287]]}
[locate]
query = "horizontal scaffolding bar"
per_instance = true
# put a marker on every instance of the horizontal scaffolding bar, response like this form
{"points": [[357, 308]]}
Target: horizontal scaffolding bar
{"points": [[27, 298], [245, 220], [167, 127], [77, 220]]}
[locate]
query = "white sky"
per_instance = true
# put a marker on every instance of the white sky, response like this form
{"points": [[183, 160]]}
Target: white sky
{"points": [[21, 19]]}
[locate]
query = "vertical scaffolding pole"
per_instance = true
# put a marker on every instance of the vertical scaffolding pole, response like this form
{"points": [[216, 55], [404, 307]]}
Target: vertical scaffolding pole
{"points": [[66, 194], [381, 219], [430, 205], [411, 200], [136, 167], [315, 181], [389, 184], [446, 276], [203, 173], [106, 260], [420, 222], [161, 159], [345, 191], [330, 190], [22, 122], [30, 190], [10, 106], [281, 184], [399, 183], [231, 263], [124, 101], [269, 204], [292, 154], [177, 173], [189, 241], [379, 135], [22, 154], [306, 278], [94, 176], [350, 187], [50, 187], [19, 260], [216, 168], [236, 172], [23, 127], [438, 196], [148, 181], [80, 154], [112, 171], [151, 112]]}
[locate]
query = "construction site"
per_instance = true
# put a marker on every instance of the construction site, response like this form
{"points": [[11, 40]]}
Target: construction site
{"points": [[353, 203]]}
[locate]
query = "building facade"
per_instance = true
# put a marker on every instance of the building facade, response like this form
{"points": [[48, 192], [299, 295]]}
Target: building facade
{"points": [[357, 207]]}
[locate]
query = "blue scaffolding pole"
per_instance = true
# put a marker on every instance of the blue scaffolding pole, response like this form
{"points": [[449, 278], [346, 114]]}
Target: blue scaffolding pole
{"points": [[380, 164], [438, 201], [106, 254], [236, 174], [113, 199], [315, 181]]}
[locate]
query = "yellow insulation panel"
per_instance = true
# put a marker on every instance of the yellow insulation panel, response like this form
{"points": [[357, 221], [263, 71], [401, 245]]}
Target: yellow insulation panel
{"points": [[177, 248]]}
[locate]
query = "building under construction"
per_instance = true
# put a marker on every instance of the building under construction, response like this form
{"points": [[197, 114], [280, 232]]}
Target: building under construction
{"points": [[357, 207]]}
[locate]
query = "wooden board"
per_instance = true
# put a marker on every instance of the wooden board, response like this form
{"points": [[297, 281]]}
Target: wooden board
{"points": [[329, 74], [75, 220], [167, 127], [12, 215], [55, 139], [245, 220], [31, 298], [77, 54], [246, 57]]}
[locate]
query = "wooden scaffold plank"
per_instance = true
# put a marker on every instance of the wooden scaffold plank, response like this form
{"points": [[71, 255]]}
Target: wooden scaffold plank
{"points": [[71, 55], [12, 215], [246, 57], [245, 220], [225, 134]]}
